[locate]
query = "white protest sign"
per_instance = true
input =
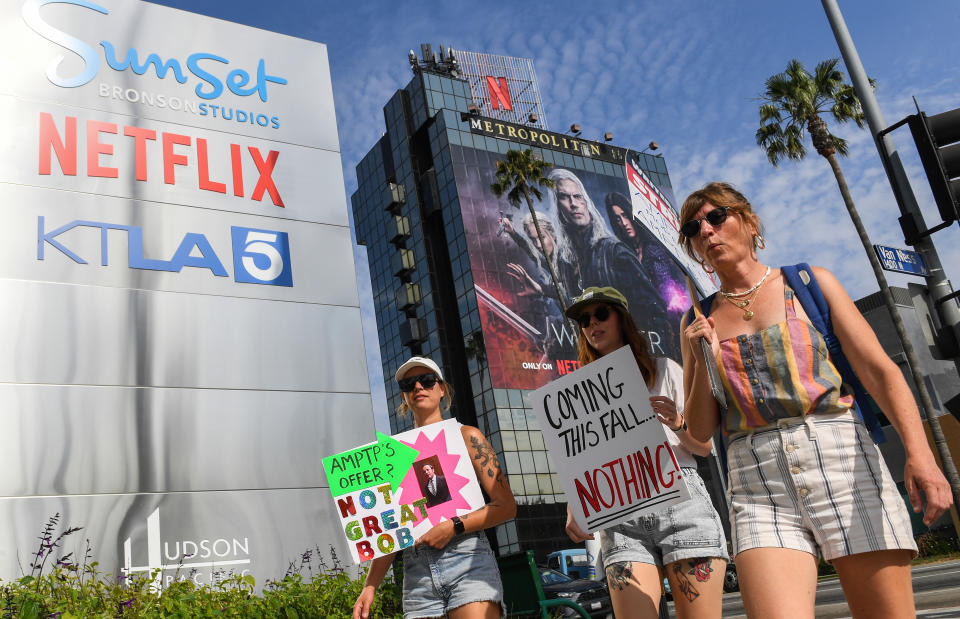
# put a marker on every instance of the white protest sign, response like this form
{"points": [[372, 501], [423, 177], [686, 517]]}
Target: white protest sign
{"points": [[658, 216], [383, 510], [610, 450]]}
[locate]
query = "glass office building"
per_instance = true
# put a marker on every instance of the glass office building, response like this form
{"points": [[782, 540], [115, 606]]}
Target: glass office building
{"points": [[457, 274]]}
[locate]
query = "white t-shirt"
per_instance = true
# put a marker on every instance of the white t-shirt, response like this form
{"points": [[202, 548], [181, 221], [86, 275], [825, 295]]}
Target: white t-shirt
{"points": [[669, 383]]}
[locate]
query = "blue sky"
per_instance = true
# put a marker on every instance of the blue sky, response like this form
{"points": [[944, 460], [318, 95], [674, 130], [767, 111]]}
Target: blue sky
{"points": [[686, 74]]}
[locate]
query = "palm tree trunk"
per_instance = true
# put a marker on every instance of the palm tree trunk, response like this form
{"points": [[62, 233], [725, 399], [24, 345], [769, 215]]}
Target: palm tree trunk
{"points": [[553, 273], [926, 404]]}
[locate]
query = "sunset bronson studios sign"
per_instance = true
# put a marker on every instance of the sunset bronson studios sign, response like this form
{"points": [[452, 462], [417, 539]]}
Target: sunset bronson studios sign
{"points": [[172, 200]]}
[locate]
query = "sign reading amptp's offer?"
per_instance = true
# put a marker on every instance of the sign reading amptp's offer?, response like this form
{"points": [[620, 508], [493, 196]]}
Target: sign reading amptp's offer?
{"points": [[391, 492], [610, 450]]}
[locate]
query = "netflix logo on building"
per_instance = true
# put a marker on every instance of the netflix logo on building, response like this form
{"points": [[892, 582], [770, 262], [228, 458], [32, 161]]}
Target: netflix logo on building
{"points": [[499, 93]]}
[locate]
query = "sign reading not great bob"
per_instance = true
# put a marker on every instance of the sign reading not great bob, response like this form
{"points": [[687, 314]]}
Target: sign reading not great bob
{"points": [[610, 450]]}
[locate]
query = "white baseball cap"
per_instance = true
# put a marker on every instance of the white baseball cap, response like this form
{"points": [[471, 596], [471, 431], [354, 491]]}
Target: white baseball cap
{"points": [[418, 362]]}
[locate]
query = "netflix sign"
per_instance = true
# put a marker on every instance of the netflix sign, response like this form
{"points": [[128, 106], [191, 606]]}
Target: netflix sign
{"points": [[499, 91], [225, 121], [172, 200]]}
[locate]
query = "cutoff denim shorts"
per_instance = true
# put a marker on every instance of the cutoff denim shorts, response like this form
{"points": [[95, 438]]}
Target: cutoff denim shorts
{"points": [[438, 581], [687, 530]]}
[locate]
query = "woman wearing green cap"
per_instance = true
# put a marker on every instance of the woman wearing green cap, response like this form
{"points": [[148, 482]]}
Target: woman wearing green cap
{"points": [[686, 540]]}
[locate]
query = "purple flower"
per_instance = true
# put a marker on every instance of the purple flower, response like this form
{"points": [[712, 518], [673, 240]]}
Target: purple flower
{"points": [[129, 602]]}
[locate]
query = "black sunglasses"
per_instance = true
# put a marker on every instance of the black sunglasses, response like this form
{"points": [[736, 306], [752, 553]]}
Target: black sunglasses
{"points": [[715, 217], [601, 314], [427, 381]]}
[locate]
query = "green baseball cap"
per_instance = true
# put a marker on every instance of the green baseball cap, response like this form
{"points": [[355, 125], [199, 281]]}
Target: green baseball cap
{"points": [[596, 294]]}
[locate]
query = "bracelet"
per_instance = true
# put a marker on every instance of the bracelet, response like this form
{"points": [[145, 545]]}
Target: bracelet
{"points": [[458, 526]]}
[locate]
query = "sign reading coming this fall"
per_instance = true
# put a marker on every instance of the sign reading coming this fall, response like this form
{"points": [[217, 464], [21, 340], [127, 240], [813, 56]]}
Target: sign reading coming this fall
{"points": [[612, 455], [391, 492]]}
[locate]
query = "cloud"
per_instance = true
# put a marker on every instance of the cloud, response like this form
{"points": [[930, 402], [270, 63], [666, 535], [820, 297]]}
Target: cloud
{"points": [[686, 75]]}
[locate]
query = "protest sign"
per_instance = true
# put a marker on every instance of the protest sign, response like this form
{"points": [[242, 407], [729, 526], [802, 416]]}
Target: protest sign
{"points": [[391, 492], [609, 447]]}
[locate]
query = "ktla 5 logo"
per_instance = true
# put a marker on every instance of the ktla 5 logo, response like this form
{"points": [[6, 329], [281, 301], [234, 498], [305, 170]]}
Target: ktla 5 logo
{"points": [[259, 256]]}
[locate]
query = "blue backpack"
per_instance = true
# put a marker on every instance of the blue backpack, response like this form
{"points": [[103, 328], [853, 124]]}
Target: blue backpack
{"points": [[800, 278]]}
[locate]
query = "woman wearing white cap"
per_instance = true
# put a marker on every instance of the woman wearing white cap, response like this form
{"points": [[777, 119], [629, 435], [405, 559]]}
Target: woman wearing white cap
{"points": [[451, 570]]}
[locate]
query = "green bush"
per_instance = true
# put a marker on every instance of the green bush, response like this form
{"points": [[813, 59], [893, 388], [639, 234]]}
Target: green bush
{"points": [[933, 544], [67, 588]]}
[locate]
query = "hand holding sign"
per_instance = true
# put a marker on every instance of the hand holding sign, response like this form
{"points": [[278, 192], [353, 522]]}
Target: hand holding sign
{"points": [[401, 488], [713, 374], [612, 455]]}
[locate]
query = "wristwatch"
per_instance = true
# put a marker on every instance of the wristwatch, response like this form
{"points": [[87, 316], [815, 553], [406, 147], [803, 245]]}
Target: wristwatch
{"points": [[683, 426], [458, 526]]}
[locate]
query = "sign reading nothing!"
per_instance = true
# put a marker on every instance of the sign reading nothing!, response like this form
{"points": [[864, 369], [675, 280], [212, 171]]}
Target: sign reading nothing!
{"points": [[610, 450]]}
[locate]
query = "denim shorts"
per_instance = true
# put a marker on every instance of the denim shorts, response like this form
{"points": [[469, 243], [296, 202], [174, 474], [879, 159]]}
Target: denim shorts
{"points": [[687, 530], [438, 581], [817, 484]]}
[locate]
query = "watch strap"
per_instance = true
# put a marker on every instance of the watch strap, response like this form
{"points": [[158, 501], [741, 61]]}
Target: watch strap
{"points": [[458, 526], [682, 427]]}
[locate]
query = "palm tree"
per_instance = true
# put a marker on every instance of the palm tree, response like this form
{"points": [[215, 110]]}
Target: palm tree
{"points": [[793, 101], [520, 178]]}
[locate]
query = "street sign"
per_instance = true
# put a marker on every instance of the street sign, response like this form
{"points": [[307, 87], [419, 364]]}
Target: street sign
{"points": [[901, 260]]}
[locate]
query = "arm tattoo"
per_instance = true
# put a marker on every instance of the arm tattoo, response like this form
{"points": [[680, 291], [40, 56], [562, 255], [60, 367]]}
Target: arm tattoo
{"points": [[619, 575], [686, 587], [487, 458]]}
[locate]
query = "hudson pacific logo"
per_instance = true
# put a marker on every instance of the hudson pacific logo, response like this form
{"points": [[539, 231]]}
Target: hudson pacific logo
{"points": [[187, 557], [259, 256], [205, 69]]}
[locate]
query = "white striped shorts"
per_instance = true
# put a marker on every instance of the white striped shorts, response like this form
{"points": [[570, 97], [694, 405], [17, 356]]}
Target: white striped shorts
{"points": [[816, 484]]}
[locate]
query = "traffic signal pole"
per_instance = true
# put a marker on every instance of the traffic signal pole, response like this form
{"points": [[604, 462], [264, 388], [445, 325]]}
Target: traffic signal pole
{"points": [[937, 283]]}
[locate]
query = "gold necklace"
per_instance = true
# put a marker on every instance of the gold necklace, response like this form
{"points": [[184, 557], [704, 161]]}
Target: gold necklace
{"points": [[744, 305], [742, 300]]}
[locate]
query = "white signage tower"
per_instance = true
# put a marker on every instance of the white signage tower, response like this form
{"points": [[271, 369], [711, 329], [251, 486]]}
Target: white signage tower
{"points": [[178, 310]]}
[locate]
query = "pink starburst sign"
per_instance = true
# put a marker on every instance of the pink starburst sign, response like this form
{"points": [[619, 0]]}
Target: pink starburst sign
{"points": [[395, 508]]}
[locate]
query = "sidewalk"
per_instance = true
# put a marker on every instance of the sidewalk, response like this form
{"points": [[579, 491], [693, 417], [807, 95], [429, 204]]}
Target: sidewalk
{"points": [[930, 605]]}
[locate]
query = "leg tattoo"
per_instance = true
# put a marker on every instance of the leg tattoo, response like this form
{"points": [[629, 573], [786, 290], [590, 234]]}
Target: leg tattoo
{"points": [[683, 583], [700, 568], [619, 575]]}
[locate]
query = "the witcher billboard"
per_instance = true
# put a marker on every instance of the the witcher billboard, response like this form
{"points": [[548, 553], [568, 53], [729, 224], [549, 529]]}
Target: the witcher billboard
{"points": [[592, 237]]}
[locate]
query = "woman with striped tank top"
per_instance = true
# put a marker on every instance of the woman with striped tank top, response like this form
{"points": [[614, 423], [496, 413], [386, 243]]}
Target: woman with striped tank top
{"points": [[805, 476]]}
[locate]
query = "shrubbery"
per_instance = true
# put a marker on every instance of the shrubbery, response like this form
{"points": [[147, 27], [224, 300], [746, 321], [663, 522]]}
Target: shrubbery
{"points": [[65, 587], [936, 543]]}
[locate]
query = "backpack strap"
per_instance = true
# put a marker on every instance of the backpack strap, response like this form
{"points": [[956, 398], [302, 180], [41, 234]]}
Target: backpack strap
{"points": [[801, 279], [705, 304]]}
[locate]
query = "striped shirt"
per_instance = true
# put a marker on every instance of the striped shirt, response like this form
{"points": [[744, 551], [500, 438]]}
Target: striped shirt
{"points": [[780, 372]]}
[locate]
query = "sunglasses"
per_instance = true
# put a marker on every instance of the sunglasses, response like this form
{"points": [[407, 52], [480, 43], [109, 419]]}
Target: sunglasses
{"points": [[427, 381], [601, 314], [715, 217]]}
